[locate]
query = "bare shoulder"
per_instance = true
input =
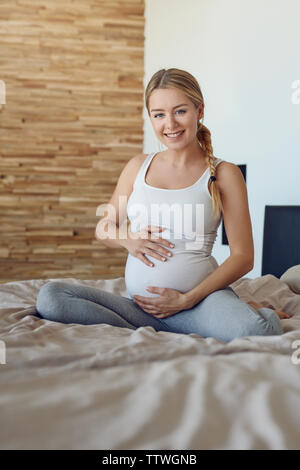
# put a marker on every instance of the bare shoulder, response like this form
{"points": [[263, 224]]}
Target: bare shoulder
{"points": [[138, 159], [133, 166], [128, 174], [229, 175], [134, 163]]}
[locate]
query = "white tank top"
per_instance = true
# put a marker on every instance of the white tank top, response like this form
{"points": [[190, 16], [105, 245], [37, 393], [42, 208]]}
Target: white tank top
{"points": [[190, 224]]}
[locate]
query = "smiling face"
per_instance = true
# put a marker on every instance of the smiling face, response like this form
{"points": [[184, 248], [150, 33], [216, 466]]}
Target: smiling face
{"points": [[171, 113]]}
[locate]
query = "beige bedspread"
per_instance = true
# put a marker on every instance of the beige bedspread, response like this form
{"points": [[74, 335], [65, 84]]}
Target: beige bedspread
{"points": [[103, 387]]}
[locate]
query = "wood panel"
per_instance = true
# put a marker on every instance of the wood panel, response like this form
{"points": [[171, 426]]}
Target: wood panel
{"points": [[73, 72]]}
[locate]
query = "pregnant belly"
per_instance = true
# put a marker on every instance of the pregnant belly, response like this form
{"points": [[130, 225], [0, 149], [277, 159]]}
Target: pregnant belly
{"points": [[183, 271]]}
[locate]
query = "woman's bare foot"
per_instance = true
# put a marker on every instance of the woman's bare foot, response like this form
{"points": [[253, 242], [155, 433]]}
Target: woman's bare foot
{"points": [[280, 313]]}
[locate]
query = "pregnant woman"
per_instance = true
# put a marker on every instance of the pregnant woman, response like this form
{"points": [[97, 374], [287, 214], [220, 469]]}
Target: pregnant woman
{"points": [[175, 201]]}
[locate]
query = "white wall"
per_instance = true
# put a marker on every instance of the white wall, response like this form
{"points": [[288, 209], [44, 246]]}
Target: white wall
{"points": [[245, 55]]}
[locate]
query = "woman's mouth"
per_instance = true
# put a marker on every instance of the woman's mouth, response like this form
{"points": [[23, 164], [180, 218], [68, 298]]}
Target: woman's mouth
{"points": [[174, 135]]}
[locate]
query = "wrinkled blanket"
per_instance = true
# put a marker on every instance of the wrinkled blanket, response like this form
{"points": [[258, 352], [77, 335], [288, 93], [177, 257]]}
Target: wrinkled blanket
{"points": [[71, 386]]}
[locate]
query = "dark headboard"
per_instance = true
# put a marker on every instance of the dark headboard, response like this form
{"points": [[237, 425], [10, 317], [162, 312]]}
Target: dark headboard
{"points": [[281, 241]]}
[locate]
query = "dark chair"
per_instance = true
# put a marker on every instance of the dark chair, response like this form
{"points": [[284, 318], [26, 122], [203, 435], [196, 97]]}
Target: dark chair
{"points": [[281, 239]]}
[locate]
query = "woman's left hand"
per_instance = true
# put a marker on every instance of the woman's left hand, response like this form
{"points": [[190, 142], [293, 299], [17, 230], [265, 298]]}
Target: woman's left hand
{"points": [[169, 302]]}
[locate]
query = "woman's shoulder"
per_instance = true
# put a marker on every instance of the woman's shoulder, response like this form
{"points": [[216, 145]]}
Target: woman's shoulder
{"points": [[218, 160], [137, 161], [142, 157], [135, 164], [220, 163], [131, 170], [227, 173]]}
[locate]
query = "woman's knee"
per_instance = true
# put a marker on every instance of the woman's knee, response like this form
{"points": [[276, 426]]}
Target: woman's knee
{"points": [[230, 317], [269, 322], [262, 322], [246, 320], [46, 302]]}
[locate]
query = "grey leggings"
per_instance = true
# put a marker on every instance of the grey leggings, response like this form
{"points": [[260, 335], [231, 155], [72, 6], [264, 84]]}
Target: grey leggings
{"points": [[221, 315]]}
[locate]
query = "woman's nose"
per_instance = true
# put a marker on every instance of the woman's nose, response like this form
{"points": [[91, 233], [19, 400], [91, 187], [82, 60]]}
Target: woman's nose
{"points": [[171, 122]]}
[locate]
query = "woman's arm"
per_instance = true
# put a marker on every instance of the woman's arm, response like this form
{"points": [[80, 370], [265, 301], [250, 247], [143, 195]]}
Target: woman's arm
{"points": [[112, 229], [233, 268], [238, 227]]}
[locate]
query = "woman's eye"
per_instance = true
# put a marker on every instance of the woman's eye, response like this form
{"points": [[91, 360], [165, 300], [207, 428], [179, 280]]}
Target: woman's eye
{"points": [[179, 111]]}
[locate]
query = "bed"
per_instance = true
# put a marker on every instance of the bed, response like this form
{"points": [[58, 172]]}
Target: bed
{"points": [[71, 386]]}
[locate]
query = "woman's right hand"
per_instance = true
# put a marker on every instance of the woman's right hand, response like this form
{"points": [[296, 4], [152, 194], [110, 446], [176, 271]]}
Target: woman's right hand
{"points": [[143, 243]]}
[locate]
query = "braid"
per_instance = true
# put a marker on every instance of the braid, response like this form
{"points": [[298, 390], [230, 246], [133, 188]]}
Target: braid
{"points": [[204, 137]]}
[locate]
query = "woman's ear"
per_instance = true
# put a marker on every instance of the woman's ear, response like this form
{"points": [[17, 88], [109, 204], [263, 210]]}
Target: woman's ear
{"points": [[200, 111]]}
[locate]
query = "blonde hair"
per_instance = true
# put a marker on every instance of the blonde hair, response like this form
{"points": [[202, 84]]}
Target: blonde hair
{"points": [[184, 81]]}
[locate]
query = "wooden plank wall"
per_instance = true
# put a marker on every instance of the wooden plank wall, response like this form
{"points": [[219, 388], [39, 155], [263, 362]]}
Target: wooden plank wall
{"points": [[73, 71]]}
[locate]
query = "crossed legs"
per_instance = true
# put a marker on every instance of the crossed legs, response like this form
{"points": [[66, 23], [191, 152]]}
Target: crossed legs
{"points": [[222, 314]]}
